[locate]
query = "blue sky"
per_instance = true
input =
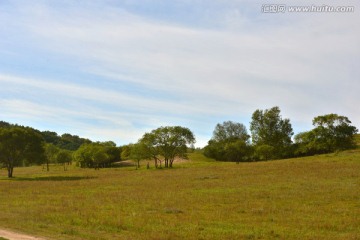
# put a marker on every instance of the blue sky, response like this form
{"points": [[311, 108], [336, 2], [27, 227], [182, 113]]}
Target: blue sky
{"points": [[113, 70]]}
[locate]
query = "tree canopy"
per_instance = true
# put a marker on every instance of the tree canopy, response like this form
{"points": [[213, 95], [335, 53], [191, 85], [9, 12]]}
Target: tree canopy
{"points": [[230, 142], [19, 144], [166, 142], [269, 128], [332, 132], [97, 154], [228, 131], [65, 141]]}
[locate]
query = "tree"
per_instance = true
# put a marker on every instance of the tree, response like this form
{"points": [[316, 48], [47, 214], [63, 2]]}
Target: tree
{"points": [[228, 131], [71, 142], [168, 142], [18, 144], [51, 152], [230, 142], [149, 149], [268, 128], [332, 132], [64, 157], [264, 152], [84, 156], [51, 137], [304, 144], [113, 152], [125, 152], [336, 131], [215, 150], [138, 152], [96, 155], [238, 151], [99, 155], [4, 124]]}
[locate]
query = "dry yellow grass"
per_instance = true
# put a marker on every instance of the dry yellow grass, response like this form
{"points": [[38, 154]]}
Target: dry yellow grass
{"points": [[306, 198]]}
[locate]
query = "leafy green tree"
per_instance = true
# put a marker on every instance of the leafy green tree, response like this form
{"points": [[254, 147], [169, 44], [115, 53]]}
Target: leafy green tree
{"points": [[18, 144], [71, 142], [125, 152], [51, 137], [268, 128], [64, 157], [238, 151], [96, 155], [168, 142], [113, 152], [215, 150], [65, 141], [4, 124], [332, 132], [305, 144], [83, 155], [230, 142], [138, 152], [336, 131], [264, 152], [150, 149], [228, 131], [51, 152], [100, 157]]}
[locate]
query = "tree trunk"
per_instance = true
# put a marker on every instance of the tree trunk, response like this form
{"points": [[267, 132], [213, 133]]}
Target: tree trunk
{"points": [[10, 168], [10, 171], [156, 163], [171, 163], [47, 165]]}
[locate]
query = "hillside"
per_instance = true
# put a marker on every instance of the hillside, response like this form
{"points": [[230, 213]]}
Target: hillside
{"points": [[305, 198]]}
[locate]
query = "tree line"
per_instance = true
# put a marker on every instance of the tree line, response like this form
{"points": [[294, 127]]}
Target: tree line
{"points": [[270, 137], [22, 146]]}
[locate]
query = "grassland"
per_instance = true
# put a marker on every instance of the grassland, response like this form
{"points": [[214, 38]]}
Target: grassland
{"points": [[307, 198]]}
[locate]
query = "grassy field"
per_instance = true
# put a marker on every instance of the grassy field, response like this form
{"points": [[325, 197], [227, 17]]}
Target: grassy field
{"points": [[307, 198]]}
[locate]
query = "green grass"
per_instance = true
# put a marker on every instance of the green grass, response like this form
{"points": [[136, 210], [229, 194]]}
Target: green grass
{"points": [[306, 198], [357, 139]]}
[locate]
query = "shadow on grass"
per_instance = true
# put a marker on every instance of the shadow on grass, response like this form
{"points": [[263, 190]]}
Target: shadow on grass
{"points": [[50, 178], [123, 164]]}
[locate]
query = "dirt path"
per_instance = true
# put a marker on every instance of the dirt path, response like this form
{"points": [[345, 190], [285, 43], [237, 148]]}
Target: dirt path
{"points": [[16, 236]]}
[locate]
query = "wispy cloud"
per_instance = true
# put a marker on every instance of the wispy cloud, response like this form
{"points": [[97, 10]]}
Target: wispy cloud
{"points": [[139, 69]]}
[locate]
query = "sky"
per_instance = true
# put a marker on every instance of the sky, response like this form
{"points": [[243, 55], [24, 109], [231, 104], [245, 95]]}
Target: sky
{"points": [[111, 70]]}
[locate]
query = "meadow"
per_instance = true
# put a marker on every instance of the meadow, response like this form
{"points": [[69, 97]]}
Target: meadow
{"points": [[302, 198]]}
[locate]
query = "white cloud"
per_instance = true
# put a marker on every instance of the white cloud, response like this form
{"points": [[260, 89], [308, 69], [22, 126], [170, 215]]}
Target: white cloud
{"points": [[305, 64]]}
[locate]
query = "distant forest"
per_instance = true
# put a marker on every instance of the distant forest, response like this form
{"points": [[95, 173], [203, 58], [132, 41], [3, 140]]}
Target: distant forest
{"points": [[64, 141]]}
